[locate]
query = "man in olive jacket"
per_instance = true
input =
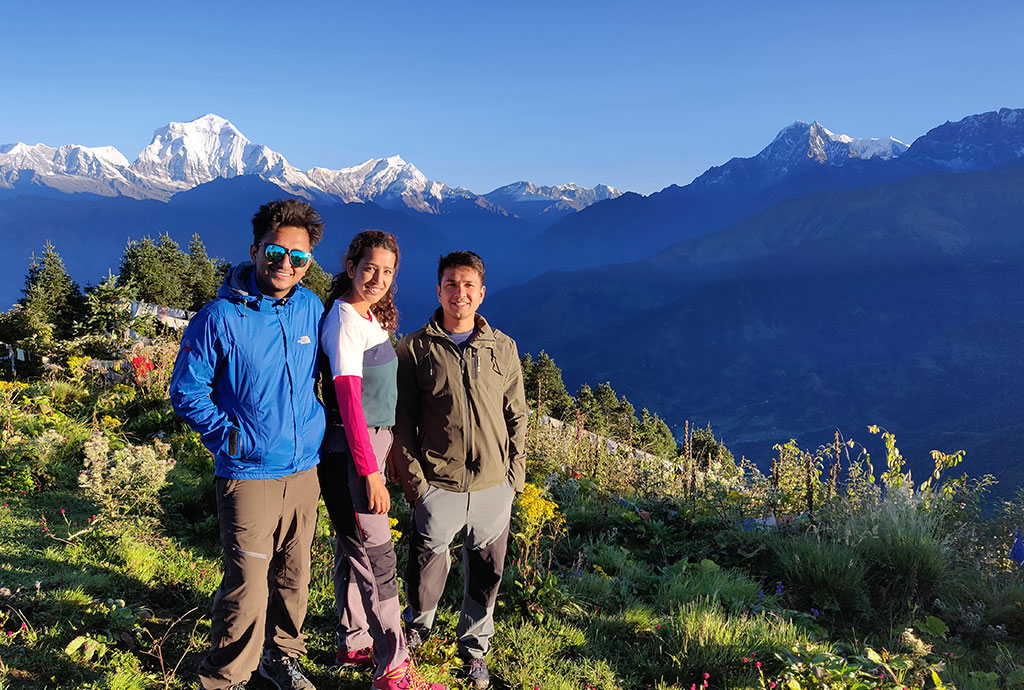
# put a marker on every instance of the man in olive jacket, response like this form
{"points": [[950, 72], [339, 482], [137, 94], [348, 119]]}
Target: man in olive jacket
{"points": [[460, 435]]}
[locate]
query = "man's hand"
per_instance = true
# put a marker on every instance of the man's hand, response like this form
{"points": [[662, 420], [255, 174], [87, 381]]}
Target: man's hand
{"points": [[377, 494]]}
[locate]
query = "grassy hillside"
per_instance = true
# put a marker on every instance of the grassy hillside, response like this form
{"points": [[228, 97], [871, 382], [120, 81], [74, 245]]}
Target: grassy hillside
{"points": [[834, 570]]}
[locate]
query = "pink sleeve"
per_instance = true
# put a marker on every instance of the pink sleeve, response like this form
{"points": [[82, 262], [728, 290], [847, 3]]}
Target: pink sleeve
{"points": [[349, 390]]}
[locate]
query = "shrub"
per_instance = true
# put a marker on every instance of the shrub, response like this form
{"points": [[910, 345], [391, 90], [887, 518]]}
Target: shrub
{"points": [[824, 575], [903, 548], [124, 479], [685, 582]]}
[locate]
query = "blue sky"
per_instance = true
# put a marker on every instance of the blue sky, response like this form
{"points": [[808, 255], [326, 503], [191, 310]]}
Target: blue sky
{"points": [[637, 95]]}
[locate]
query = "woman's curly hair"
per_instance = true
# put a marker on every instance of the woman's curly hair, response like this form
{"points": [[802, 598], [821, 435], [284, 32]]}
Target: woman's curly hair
{"points": [[384, 309]]}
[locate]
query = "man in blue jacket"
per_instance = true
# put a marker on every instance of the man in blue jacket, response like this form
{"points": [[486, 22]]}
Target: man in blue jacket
{"points": [[244, 380]]}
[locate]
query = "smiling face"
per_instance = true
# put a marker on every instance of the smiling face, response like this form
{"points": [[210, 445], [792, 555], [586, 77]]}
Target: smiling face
{"points": [[371, 278], [277, 279], [460, 293]]}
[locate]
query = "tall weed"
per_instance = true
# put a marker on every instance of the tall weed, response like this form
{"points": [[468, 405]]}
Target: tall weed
{"points": [[828, 576]]}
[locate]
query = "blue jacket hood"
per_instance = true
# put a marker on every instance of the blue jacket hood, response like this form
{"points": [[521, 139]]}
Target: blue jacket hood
{"points": [[236, 284]]}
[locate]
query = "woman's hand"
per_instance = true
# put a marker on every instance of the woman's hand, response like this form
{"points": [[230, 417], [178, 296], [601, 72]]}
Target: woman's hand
{"points": [[377, 494]]}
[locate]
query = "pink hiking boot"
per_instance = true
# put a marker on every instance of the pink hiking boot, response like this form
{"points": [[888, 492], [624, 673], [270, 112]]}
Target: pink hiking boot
{"points": [[355, 658], [405, 677]]}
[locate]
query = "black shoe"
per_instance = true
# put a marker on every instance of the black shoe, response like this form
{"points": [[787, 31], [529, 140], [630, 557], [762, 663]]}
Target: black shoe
{"points": [[414, 637], [283, 671], [477, 674]]}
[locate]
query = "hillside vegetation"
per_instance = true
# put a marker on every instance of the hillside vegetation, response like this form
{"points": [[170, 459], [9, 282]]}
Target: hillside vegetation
{"points": [[679, 566]]}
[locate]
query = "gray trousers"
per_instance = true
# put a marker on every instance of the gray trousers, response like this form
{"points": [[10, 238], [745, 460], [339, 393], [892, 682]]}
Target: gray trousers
{"points": [[365, 578], [266, 529], [439, 516]]}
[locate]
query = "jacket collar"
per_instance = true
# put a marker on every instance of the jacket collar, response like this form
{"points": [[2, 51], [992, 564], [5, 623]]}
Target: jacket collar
{"points": [[240, 287], [483, 331]]}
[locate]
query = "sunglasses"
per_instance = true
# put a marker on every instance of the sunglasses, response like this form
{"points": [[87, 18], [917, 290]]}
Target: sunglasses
{"points": [[275, 253]]}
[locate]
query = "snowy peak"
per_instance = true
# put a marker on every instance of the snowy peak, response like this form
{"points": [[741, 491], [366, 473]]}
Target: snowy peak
{"points": [[525, 198], [817, 143], [183, 155], [70, 168], [68, 159], [800, 146], [976, 142], [390, 182]]}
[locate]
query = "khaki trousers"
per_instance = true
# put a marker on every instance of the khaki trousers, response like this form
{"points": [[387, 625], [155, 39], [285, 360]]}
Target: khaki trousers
{"points": [[266, 529]]}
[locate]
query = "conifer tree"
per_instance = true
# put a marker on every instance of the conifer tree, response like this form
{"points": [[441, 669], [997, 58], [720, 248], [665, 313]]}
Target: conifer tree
{"points": [[106, 313], [317, 279], [52, 301], [654, 436], [156, 272], [543, 378], [590, 409], [710, 452], [205, 275], [624, 422]]}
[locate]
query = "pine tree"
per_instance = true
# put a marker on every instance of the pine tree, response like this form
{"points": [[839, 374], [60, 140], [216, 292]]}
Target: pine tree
{"points": [[654, 436], [590, 408], [543, 378], [624, 422], [710, 452], [205, 275], [52, 301], [156, 272], [106, 312], [317, 279]]}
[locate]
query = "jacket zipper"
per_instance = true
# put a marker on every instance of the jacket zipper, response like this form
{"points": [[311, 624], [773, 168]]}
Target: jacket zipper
{"points": [[467, 426], [291, 388]]}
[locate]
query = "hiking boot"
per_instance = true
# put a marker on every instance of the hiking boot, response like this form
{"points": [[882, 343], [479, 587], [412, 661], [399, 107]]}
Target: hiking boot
{"points": [[283, 671], [476, 673], [355, 658], [405, 677], [414, 637]]}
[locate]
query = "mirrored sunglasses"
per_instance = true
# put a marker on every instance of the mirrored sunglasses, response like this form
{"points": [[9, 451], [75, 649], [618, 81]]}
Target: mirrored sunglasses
{"points": [[275, 253]]}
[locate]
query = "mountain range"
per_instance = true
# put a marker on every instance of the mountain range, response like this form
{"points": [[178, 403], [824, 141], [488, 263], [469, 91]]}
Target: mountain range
{"points": [[883, 291], [824, 282], [184, 155], [802, 159]]}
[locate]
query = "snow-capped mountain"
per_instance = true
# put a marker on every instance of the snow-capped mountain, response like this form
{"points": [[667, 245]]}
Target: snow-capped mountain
{"points": [[817, 143], [184, 155], [527, 199], [389, 182], [70, 168], [802, 145]]}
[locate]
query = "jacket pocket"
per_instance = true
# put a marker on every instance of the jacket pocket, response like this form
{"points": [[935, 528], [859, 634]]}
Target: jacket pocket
{"points": [[242, 443], [233, 443]]}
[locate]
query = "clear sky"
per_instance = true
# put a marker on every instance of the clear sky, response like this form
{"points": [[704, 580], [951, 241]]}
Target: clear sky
{"points": [[638, 95]]}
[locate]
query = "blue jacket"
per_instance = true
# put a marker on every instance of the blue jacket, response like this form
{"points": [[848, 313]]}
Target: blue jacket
{"points": [[244, 379]]}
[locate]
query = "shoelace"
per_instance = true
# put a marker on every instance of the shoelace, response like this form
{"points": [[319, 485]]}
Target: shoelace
{"points": [[407, 678], [401, 676], [477, 665], [292, 668]]}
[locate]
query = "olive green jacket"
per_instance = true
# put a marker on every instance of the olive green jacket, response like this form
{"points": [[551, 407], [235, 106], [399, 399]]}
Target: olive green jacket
{"points": [[461, 418]]}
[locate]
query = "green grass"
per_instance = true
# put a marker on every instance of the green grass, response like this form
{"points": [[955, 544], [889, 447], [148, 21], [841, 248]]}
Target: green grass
{"points": [[650, 592]]}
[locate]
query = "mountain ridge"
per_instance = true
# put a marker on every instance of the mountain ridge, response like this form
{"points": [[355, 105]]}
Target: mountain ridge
{"points": [[183, 155]]}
